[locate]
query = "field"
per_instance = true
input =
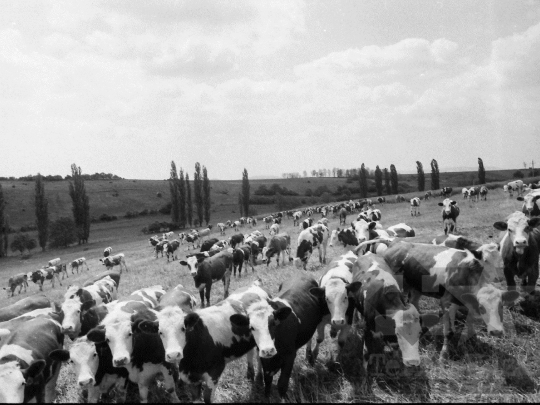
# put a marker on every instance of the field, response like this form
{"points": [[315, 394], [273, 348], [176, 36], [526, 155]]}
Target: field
{"points": [[484, 369]]}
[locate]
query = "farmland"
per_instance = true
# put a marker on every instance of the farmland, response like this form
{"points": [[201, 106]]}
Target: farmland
{"points": [[484, 369]]}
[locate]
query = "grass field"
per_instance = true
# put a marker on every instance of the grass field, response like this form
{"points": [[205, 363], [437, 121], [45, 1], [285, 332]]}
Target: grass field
{"points": [[486, 369]]}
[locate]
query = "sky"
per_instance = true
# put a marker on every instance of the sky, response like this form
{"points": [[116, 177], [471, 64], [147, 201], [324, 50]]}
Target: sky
{"points": [[126, 87]]}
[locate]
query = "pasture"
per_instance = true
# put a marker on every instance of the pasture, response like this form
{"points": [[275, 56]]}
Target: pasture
{"points": [[484, 369]]}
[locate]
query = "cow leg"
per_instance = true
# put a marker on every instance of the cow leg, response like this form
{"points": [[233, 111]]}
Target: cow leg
{"points": [[285, 376], [250, 369], [226, 282], [446, 330], [509, 276], [201, 293], [58, 280], [240, 269], [170, 385], [311, 356], [50, 387], [207, 294]]}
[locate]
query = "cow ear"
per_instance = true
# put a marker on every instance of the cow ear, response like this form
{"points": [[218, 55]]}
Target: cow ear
{"points": [[96, 335], [520, 199], [183, 262], [317, 292], [273, 304], [353, 288], [34, 370], [239, 320], [508, 297], [470, 299], [429, 320], [4, 333], [149, 327], [385, 325], [534, 222], [372, 225], [282, 313], [501, 226], [191, 320], [440, 204], [477, 254], [59, 355], [453, 202], [79, 292], [87, 305]]}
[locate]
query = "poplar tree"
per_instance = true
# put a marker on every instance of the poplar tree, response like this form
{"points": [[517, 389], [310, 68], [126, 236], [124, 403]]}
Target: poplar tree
{"points": [[3, 225], [378, 181], [182, 199], [241, 204], [42, 212], [206, 195], [245, 193], [189, 203], [197, 191], [363, 182], [434, 175], [394, 179], [81, 204], [175, 201], [481, 172], [387, 181], [421, 176]]}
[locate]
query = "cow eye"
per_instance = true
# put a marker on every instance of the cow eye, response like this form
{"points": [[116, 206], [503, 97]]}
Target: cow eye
{"points": [[161, 333], [107, 340], [79, 311], [23, 383], [95, 354], [129, 334], [183, 329], [252, 328]]}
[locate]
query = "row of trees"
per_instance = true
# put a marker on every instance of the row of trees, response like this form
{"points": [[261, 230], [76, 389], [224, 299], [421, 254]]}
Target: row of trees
{"points": [[57, 177], [181, 196], [435, 184]]}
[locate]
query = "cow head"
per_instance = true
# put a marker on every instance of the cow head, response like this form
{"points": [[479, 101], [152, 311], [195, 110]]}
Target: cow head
{"points": [[303, 253], [530, 200], [447, 205], [518, 228], [83, 356], [15, 382], [192, 263], [119, 336], [364, 230], [336, 295], [333, 236]]}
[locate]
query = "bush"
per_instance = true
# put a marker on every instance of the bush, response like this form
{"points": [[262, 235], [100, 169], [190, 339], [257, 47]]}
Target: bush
{"points": [[321, 190], [107, 218], [166, 209], [62, 232], [23, 242], [309, 192], [27, 228], [326, 198], [144, 212], [518, 174], [131, 214], [155, 227]]}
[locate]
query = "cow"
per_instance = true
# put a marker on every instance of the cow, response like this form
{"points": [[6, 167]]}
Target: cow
{"points": [[293, 331], [107, 251], [109, 273], [446, 192], [18, 280], [516, 185], [53, 262], [342, 216], [24, 306], [257, 245], [170, 248], [160, 247], [323, 221], [278, 244], [450, 212], [400, 198], [274, 229], [345, 236], [211, 337], [296, 218], [236, 239], [191, 238], [381, 200], [400, 230], [240, 255], [415, 206], [7, 327], [465, 192], [377, 296], [370, 215], [483, 193], [167, 235], [215, 268], [427, 195], [205, 232], [268, 220], [315, 236], [235, 225], [531, 206], [306, 223], [219, 245], [456, 278], [26, 371], [39, 277], [154, 240], [520, 248], [333, 288], [221, 226], [141, 354], [116, 260], [80, 262], [473, 194]]}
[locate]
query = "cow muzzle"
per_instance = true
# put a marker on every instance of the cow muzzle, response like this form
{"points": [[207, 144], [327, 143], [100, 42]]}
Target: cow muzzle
{"points": [[338, 323], [87, 381], [173, 357], [267, 353], [496, 333], [120, 362], [411, 362], [520, 245]]}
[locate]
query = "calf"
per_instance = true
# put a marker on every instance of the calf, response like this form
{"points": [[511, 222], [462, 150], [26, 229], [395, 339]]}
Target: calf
{"points": [[315, 236], [453, 276], [53, 262], [268, 220], [240, 255], [415, 206], [170, 249], [530, 204], [217, 267], [18, 280], [450, 212], [75, 264], [26, 371], [483, 193], [107, 251], [235, 225], [296, 217], [39, 277], [387, 319], [306, 223], [381, 200], [278, 244], [236, 239], [333, 288], [160, 247], [427, 195], [465, 192], [24, 306], [274, 229], [292, 331], [520, 247], [116, 260], [221, 226]]}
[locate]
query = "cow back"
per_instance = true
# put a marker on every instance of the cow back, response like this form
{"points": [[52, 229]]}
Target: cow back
{"points": [[23, 306]]}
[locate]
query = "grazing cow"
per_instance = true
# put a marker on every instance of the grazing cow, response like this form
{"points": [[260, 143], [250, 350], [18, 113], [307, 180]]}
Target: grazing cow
{"points": [[24, 306], [323, 221], [520, 248], [293, 331], [381, 200], [370, 215], [277, 220], [473, 194], [39, 277], [109, 273], [274, 229], [257, 246], [235, 225], [240, 255], [415, 206], [306, 223], [116, 260], [221, 226], [236, 239], [192, 238], [278, 244], [267, 221], [208, 243], [456, 278], [387, 319], [345, 236], [141, 354], [209, 338], [516, 185], [315, 236], [53, 262], [296, 217], [400, 198], [450, 212], [531, 205], [483, 193], [465, 192], [342, 216], [206, 271], [20, 279], [75, 264], [333, 288], [154, 240], [160, 247], [205, 232], [107, 251], [446, 192], [26, 371], [170, 249]]}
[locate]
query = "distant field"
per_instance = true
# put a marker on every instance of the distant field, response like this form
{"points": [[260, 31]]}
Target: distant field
{"points": [[487, 370]]}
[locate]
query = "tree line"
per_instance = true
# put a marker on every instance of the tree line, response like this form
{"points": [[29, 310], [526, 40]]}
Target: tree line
{"points": [[57, 177]]}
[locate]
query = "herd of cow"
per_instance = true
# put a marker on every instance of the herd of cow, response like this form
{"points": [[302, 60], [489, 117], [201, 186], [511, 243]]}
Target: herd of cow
{"points": [[382, 274]]}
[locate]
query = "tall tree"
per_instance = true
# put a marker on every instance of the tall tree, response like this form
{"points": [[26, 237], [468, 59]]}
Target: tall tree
{"points": [[175, 201], [387, 181], [434, 175], [182, 199], [189, 203], [197, 191], [206, 195], [81, 204], [421, 176], [363, 182], [394, 179], [245, 192], [378, 181], [241, 204], [3, 224], [42, 212], [481, 172]]}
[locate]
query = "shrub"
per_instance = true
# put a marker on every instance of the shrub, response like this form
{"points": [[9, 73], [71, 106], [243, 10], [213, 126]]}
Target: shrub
{"points": [[518, 174], [309, 192], [144, 212], [23, 242], [155, 227], [107, 218], [131, 214], [27, 228], [62, 232], [326, 198], [166, 209], [261, 200]]}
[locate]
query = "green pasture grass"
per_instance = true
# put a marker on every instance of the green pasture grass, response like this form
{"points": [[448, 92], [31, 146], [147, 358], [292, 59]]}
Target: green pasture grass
{"points": [[484, 369]]}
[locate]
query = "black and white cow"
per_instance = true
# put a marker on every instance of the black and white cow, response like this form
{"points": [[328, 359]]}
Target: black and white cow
{"points": [[274, 229], [221, 226], [116, 260], [278, 244], [342, 216], [345, 236], [39, 277], [107, 251], [207, 244], [53, 262], [531, 206], [236, 239], [191, 238], [26, 371], [400, 230], [24, 306], [170, 248], [381, 200], [242, 254], [268, 220], [18, 280], [80, 262], [313, 237], [516, 185], [296, 217], [306, 223], [400, 198], [427, 195], [450, 212], [472, 194], [160, 247], [415, 206], [483, 193], [446, 192]]}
